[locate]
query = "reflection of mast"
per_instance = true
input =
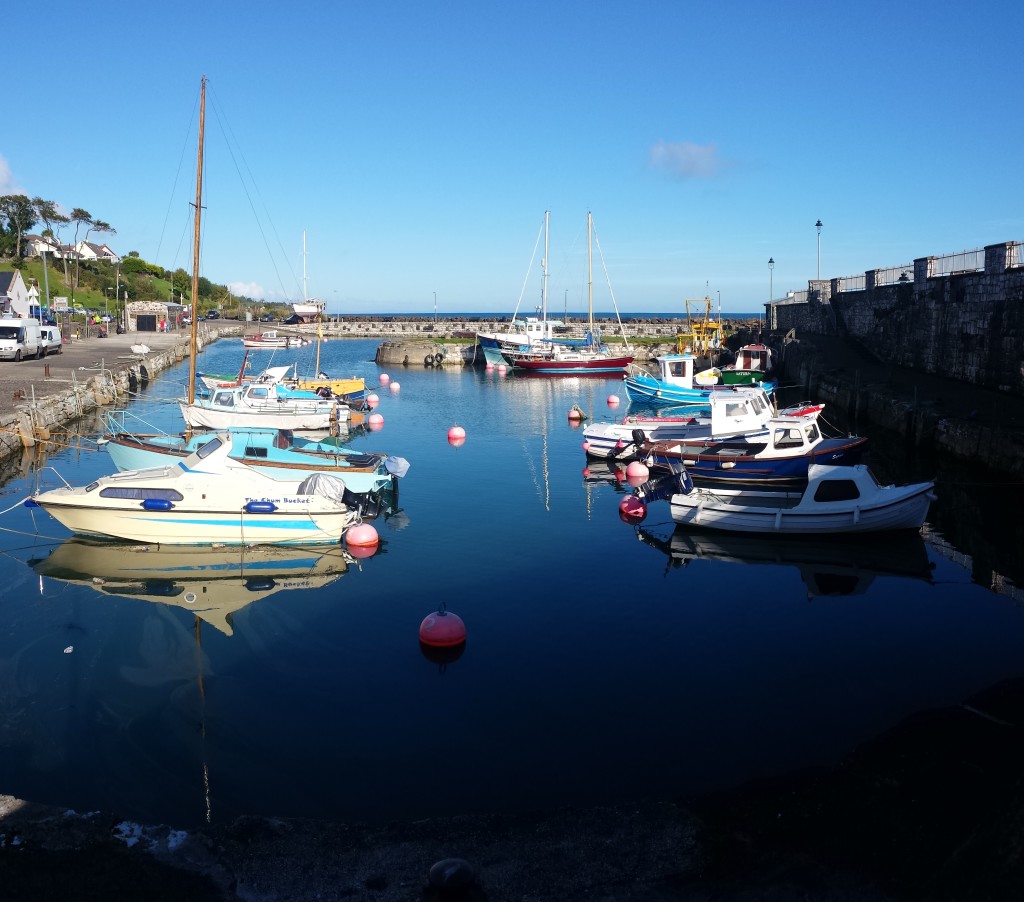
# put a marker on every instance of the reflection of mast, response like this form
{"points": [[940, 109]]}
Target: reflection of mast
{"points": [[202, 719]]}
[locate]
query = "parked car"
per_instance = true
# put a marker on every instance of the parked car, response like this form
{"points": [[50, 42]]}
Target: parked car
{"points": [[267, 318], [107, 318], [213, 314], [293, 320]]}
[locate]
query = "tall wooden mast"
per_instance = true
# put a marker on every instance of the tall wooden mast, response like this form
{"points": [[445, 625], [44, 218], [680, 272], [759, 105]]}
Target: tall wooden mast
{"points": [[195, 248]]}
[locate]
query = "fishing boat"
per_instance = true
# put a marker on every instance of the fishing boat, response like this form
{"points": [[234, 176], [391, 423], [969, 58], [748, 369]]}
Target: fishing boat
{"points": [[675, 382], [277, 452], [744, 411], [212, 582], [834, 499], [559, 359], [206, 497], [781, 452], [267, 405]]}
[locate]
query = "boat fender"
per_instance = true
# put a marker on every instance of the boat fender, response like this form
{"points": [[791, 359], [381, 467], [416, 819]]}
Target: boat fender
{"points": [[438, 359], [428, 360], [157, 504], [258, 507]]}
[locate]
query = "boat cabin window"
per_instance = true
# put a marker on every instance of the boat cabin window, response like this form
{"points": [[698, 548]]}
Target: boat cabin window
{"points": [[788, 437], [734, 410], [138, 493], [677, 368], [811, 431], [224, 399], [206, 450], [759, 401], [259, 393], [252, 451], [837, 490]]}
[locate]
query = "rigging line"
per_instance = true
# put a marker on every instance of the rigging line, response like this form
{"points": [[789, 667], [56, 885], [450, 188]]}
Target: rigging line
{"points": [[177, 174], [529, 269], [231, 144], [600, 253]]}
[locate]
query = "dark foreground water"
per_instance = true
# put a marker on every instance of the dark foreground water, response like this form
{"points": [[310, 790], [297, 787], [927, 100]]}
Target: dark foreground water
{"points": [[604, 662]]}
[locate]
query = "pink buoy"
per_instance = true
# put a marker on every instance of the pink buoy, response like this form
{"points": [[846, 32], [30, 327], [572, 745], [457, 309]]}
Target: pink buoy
{"points": [[489, 367], [442, 629], [375, 421], [637, 473], [586, 472], [456, 432], [372, 400], [362, 540], [620, 444], [586, 446], [575, 413], [384, 378], [395, 387], [456, 442], [632, 509], [613, 400], [502, 369]]}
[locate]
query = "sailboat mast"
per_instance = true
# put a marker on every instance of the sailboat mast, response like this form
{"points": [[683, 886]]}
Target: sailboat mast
{"points": [[590, 275], [195, 247], [305, 281], [544, 283]]}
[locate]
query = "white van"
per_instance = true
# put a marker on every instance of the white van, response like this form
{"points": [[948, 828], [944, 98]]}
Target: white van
{"points": [[20, 338], [51, 340]]}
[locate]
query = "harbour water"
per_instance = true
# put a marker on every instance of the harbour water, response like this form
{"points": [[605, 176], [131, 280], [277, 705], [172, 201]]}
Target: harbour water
{"points": [[605, 662]]}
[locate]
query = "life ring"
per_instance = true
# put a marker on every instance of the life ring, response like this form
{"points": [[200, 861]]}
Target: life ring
{"points": [[428, 360]]}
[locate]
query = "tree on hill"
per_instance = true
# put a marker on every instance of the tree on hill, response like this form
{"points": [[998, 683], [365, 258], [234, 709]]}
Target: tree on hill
{"points": [[19, 216]]}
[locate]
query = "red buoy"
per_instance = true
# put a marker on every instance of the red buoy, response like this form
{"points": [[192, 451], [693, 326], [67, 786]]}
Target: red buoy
{"points": [[442, 629], [632, 509]]}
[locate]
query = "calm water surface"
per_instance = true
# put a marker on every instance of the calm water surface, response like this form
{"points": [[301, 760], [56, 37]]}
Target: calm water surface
{"points": [[605, 662]]}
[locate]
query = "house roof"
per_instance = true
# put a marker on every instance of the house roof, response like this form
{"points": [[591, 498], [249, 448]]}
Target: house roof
{"points": [[6, 281]]}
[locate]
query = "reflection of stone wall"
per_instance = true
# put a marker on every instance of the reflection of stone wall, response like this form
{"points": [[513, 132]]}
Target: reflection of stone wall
{"points": [[968, 326]]}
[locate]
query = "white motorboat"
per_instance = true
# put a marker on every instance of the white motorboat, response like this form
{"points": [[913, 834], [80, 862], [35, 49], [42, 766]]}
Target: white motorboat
{"points": [[268, 405], [835, 499], [207, 497]]}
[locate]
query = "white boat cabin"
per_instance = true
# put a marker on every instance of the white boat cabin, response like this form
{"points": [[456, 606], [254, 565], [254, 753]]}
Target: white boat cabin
{"points": [[754, 357]]}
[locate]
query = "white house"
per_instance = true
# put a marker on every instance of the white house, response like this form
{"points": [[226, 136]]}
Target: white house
{"points": [[88, 250], [14, 297], [35, 245]]}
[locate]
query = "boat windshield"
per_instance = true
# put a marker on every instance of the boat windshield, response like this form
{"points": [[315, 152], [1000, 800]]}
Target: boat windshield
{"points": [[138, 493], [206, 450]]}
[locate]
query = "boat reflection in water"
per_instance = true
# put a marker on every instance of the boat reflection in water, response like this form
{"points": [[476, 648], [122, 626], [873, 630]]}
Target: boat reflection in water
{"points": [[210, 581], [828, 565]]}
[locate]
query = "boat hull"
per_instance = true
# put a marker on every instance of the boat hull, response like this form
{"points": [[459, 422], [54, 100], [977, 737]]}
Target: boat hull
{"points": [[648, 390], [570, 367], [300, 524], [199, 416]]}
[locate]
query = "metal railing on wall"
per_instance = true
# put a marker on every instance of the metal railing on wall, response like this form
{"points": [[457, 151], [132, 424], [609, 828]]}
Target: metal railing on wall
{"points": [[893, 275], [1015, 255], [964, 261]]}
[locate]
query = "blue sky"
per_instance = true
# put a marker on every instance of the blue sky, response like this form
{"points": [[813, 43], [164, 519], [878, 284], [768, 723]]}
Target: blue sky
{"points": [[419, 144]]}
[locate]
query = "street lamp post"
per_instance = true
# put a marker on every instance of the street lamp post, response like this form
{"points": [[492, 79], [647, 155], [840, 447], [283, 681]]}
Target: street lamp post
{"points": [[771, 274], [817, 225]]}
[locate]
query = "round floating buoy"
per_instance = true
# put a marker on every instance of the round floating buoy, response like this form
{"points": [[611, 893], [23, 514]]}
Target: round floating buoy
{"points": [[586, 446], [613, 400], [375, 421], [456, 432], [395, 387], [637, 471], [502, 369], [362, 540], [586, 472], [372, 400], [575, 413], [456, 442], [442, 629], [451, 874], [489, 367], [632, 509], [384, 378]]}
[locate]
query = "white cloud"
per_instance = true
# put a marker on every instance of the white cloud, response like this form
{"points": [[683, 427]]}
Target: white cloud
{"points": [[247, 290], [684, 160], [7, 183]]}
